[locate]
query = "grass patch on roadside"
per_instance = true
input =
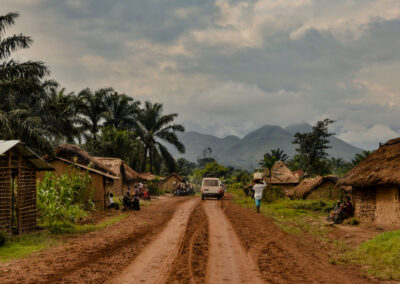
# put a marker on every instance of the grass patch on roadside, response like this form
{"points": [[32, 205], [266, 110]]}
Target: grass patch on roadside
{"points": [[93, 227], [379, 256], [293, 216], [24, 245]]}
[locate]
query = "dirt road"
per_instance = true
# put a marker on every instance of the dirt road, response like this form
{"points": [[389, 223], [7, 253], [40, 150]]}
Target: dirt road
{"points": [[228, 261], [183, 240], [153, 264]]}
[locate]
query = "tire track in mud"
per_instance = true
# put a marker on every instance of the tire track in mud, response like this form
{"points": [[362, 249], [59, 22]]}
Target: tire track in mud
{"points": [[93, 257], [282, 258], [190, 264], [228, 262], [153, 264]]}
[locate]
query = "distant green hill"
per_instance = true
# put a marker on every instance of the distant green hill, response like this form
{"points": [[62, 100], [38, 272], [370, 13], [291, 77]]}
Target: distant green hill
{"points": [[246, 152]]}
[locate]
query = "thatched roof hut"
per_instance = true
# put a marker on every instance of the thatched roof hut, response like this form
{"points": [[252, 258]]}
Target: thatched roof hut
{"points": [[77, 155], [325, 185], [375, 185], [281, 174], [171, 181], [381, 167], [149, 177], [120, 168]]}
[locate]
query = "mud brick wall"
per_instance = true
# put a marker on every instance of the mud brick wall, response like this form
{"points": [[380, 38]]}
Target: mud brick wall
{"points": [[364, 200]]}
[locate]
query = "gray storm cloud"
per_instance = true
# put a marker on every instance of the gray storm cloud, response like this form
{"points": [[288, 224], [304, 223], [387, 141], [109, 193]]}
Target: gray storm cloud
{"points": [[228, 67]]}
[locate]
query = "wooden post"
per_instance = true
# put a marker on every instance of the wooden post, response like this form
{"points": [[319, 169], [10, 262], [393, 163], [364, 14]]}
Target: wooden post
{"points": [[11, 187], [19, 190]]}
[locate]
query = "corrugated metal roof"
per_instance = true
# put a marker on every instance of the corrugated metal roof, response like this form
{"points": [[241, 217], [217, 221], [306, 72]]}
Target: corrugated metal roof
{"points": [[24, 151], [7, 145]]}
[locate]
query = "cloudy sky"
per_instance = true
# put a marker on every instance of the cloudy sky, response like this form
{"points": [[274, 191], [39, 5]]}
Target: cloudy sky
{"points": [[229, 66]]}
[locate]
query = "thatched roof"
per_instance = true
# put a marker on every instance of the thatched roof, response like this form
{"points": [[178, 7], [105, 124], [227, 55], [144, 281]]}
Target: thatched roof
{"points": [[281, 174], [172, 175], [120, 168], [298, 173], [381, 167], [69, 151], [148, 176], [91, 170], [309, 184]]}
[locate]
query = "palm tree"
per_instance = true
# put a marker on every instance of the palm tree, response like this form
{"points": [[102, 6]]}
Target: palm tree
{"points": [[121, 111], [154, 128], [92, 108], [18, 78], [59, 115]]}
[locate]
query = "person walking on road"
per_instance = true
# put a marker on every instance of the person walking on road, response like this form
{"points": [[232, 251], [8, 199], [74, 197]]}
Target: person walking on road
{"points": [[258, 192]]}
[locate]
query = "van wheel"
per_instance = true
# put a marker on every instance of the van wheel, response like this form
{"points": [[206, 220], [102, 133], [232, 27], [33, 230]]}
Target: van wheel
{"points": [[202, 197]]}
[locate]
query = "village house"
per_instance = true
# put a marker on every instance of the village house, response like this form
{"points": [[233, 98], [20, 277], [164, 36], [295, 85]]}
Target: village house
{"points": [[170, 182], [281, 177], [18, 168], [320, 187], [69, 157], [375, 185], [127, 176]]}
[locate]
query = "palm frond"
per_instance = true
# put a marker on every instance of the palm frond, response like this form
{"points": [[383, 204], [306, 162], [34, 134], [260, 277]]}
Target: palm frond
{"points": [[13, 43], [7, 20]]}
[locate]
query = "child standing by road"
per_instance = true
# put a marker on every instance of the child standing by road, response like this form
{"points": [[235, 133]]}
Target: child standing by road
{"points": [[258, 192]]}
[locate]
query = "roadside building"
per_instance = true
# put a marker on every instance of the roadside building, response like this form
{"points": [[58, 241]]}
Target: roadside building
{"points": [[149, 177], [281, 176], [69, 157], [18, 168], [127, 176], [375, 185], [171, 182], [317, 188]]}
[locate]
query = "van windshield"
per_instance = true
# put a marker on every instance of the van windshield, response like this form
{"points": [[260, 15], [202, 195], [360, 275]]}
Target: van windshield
{"points": [[210, 182]]}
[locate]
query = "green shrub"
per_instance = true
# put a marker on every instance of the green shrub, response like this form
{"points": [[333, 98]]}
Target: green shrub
{"points": [[313, 205], [61, 227], [273, 194], [63, 200], [153, 188], [3, 237]]}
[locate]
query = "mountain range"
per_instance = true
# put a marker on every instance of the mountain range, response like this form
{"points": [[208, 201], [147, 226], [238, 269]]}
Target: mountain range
{"points": [[246, 152]]}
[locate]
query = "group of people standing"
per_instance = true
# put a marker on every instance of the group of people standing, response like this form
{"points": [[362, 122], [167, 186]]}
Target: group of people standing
{"points": [[131, 199]]}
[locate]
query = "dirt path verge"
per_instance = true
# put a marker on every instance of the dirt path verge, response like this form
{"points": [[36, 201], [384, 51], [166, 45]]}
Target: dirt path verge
{"points": [[153, 263], [190, 265], [96, 256], [228, 261], [281, 257]]}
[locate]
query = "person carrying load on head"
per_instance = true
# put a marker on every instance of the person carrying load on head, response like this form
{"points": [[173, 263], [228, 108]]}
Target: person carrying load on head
{"points": [[258, 192]]}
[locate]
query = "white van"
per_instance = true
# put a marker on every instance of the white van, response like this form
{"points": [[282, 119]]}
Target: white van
{"points": [[212, 187]]}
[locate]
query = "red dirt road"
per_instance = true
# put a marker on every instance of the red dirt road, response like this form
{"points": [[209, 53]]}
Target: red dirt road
{"points": [[183, 240], [228, 261], [152, 265]]}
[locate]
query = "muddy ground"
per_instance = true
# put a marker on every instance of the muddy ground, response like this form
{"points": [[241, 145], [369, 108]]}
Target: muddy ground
{"points": [[283, 258], [96, 256], [184, 240]]}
